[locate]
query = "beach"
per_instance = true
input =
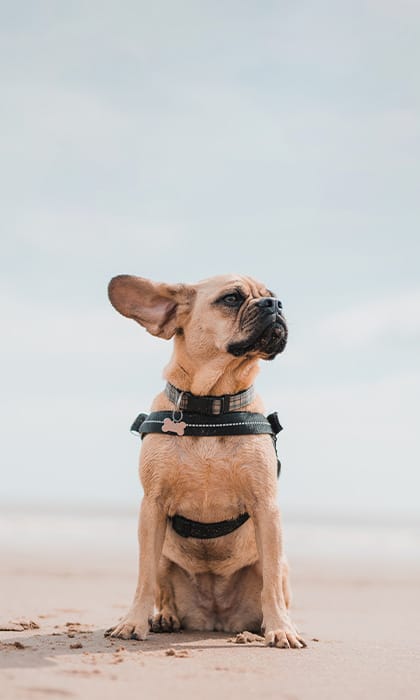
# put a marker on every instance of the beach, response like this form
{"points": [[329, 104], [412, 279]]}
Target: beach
{"points": [[69, 576]]}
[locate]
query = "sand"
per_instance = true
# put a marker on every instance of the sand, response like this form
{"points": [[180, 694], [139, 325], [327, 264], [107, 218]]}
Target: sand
{"points": [[360, 619]]}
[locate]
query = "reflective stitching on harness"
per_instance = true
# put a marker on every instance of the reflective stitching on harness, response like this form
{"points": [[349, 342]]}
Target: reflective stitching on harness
{"points": [[213, 425]]}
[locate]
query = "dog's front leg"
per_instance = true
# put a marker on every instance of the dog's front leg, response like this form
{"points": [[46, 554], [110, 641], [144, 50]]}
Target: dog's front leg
{"points": [[279, 630], [152, 527]]}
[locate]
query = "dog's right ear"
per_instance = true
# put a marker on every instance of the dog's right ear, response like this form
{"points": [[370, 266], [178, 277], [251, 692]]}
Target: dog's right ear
{"points": [[157, 306]]}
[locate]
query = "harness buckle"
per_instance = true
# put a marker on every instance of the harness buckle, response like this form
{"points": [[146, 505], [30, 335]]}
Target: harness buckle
{"points": [[220, 405]]}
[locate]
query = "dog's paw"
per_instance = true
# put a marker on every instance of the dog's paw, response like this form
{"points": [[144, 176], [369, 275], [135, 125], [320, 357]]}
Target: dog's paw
{"points": [[128, 628], [286, 638], [164, 622]]}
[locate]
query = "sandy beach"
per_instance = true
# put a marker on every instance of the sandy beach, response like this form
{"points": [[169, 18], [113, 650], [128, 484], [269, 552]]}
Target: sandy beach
{"points": [[355, 601]]}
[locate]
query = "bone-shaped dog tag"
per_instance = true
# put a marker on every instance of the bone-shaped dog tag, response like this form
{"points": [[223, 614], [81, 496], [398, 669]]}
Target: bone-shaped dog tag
{"points": [[169, 426]]}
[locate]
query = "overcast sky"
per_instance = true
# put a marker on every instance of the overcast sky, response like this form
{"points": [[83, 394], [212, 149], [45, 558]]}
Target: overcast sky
{"points": [[177, 140]]}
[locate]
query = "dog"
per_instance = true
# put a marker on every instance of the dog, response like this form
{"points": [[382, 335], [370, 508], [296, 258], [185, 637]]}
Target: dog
{"points": [[238, 581]]}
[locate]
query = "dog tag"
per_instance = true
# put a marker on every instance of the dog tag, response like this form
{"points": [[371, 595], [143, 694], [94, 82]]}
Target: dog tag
{"points": [[169, 426]]}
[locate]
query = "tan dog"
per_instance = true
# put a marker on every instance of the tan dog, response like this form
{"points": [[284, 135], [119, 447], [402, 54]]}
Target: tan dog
{"points": [[221, 327]]}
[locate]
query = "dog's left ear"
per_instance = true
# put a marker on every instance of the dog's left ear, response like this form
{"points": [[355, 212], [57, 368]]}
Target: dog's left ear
{"points": [[158, 307]]}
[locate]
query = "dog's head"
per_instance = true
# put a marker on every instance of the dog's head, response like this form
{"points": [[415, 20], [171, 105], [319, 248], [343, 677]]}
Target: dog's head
{"points": [[229, 314]]}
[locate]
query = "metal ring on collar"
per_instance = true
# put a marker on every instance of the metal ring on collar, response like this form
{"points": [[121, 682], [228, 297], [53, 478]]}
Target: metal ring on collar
{"points": [[177, 413]]}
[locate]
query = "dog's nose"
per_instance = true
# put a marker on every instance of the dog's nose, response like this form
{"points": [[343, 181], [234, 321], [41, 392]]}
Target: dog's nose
{"points": [[271, 304]]}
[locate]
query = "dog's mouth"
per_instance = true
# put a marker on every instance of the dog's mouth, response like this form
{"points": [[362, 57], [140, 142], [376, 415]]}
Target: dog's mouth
{"points": [[267, 341], [273, 340]]}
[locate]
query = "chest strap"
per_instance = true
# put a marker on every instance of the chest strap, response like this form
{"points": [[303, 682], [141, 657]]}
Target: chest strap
{"points": [[206, 531], [198, 425]]}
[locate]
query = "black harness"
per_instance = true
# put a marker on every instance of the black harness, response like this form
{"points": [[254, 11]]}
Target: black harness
{"points": [[206, 531], [193, 424]]}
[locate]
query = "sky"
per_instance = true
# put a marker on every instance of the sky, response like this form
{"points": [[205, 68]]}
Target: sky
{"points": [[180, 140]]}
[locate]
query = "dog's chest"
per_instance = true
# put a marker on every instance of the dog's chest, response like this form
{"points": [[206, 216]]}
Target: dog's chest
{"points": [[204, 478]]}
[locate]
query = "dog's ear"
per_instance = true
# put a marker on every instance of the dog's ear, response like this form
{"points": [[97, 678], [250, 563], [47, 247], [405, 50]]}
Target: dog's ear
{"points": [[157, 306]]}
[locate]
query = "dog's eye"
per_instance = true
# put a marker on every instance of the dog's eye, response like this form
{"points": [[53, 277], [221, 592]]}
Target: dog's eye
{"points": [[232, 299]]}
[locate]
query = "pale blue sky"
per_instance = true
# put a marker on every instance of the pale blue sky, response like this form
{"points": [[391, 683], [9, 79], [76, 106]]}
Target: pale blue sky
{"points": [[180, 140]]}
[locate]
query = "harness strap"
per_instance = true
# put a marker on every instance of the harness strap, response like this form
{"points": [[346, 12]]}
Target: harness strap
{"points": [[206, 531], [197, 425]]}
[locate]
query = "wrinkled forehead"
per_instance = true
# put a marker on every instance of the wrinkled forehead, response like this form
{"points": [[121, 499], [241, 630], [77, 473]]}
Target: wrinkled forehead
{"points": [[249, 286]]}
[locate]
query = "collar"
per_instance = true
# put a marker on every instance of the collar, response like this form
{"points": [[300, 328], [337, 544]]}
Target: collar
{"points": [[209, 405]]}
